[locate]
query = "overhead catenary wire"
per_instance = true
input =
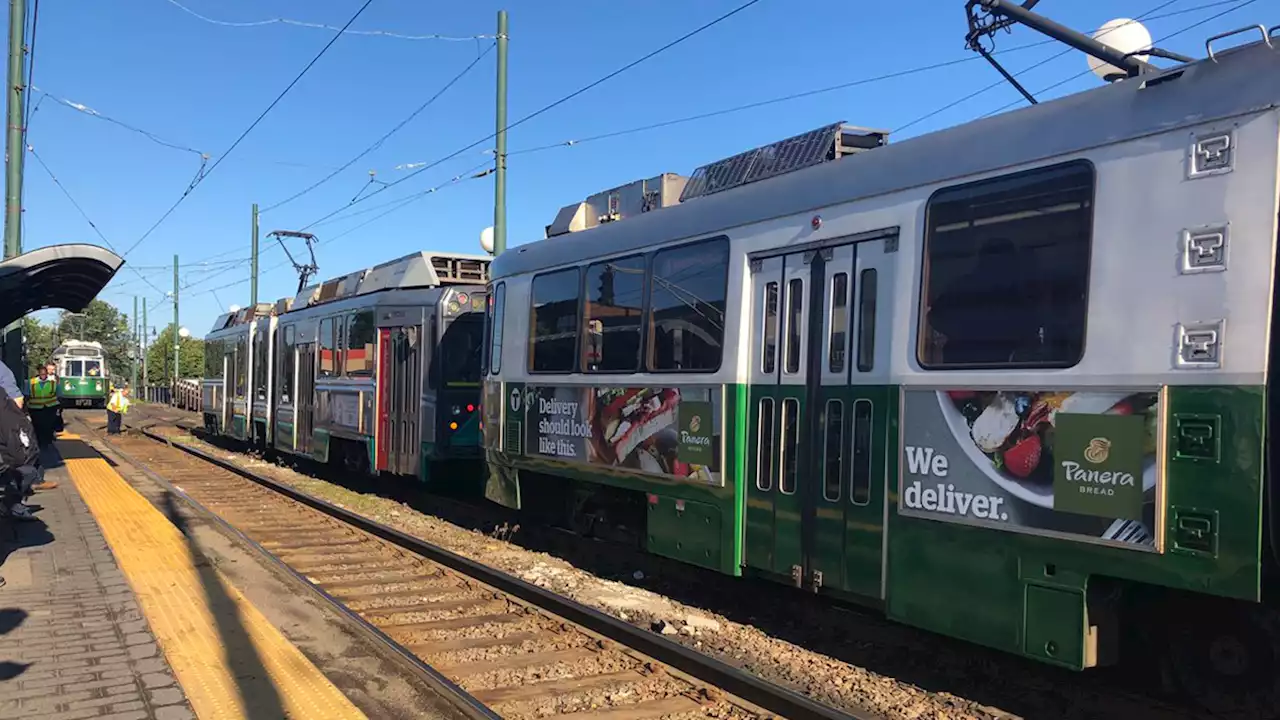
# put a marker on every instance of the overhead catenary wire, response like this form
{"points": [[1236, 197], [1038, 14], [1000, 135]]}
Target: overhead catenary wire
{"points": [[91, 112], [787, 98], [546, 108], [80, 209], [322, 26], [204, 174], [378, 143], [1150, 15], [399, 203]]}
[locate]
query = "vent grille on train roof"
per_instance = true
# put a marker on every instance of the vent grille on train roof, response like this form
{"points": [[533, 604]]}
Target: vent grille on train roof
{"points": [[794, 153], [460, 270]]}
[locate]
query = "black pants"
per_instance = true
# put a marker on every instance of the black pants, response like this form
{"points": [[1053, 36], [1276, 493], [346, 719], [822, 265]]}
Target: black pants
{"points": [[17, 483], [45, 421], [113, 423]]}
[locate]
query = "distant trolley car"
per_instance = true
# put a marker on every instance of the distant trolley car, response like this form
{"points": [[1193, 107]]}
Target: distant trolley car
{"points": [[82, 374], [1013, 381], [378, 370]]}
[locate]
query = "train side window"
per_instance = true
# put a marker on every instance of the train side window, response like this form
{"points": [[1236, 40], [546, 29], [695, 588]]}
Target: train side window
{"points": [[867, 320], [769, 334], [1006, 271], [764, 459], [327, 364], [688, 290], [497, 303], [833, 450], [838, 338], [361, 336], [242, 366], [340, 347], [553, 321], [613, 312], [790, 445], [795, 313], [860, 491]]}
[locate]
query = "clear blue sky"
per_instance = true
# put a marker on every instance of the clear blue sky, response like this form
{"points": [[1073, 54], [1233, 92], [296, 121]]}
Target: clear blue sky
{"points": [[197, 84]]}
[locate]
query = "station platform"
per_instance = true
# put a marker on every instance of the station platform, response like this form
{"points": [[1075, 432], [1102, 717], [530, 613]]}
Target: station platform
{"points": [[106, 612]]}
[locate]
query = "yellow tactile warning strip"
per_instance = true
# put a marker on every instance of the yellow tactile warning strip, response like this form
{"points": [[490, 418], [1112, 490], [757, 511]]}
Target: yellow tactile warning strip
{"points": [[156, 560]]}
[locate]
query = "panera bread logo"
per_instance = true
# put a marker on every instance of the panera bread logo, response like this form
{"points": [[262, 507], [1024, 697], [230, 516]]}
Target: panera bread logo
{"points": [[695, 423], [1098, 451]]}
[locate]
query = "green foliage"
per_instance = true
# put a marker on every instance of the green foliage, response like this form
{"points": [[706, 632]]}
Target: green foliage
{"points": [[39, 340], [160, 357]]}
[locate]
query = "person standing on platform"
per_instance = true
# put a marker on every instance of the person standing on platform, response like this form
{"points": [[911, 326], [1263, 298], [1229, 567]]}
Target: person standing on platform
{"points": [[9, 384], [117, 406], [42, 406], [20, 468], [42, 403], [53, 375]]}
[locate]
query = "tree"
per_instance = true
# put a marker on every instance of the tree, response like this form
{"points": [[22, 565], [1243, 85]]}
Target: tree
{"points": [[100, 322], [160, 357], [39, 339]]}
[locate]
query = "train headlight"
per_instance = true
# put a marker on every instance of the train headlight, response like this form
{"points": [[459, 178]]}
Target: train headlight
{"points": [[454, 307], [67, 387], [98, 386]]}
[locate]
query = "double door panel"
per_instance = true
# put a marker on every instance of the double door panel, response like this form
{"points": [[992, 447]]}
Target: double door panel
{"points": [[815, 497], [399, 437]]}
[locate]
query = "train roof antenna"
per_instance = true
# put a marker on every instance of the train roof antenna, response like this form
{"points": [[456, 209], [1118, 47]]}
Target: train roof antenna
{"points": [[305, 272]]}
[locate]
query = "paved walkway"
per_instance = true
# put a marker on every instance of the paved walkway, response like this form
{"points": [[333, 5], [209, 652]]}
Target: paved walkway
{"points": [[73, 641]]}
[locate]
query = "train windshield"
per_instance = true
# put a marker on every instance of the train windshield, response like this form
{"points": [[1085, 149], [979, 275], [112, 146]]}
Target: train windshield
{"points": [[460, 350], [83, 368]]}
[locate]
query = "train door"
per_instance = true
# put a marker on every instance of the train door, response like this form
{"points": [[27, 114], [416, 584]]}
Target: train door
{"points": [[814, 443], [230, 372], [400, 400], [304, 398]]}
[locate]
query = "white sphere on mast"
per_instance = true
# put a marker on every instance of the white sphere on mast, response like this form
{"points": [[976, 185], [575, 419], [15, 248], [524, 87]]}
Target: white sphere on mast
{"points": [[486, 239], [1125, 35]]}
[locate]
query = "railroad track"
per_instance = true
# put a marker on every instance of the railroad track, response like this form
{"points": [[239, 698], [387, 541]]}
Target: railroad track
{"points": [[510, 648]]}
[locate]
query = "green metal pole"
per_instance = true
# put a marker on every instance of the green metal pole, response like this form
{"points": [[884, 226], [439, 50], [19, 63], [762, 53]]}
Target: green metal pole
{"points": [[133, 376], [11, 350], [13, 149], [500, 148], [175, 322], [144, 343], [253, 262]]}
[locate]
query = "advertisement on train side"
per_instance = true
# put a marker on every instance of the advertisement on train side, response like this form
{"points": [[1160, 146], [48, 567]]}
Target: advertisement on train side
{"points": [[668, 431], [1080, 464]]}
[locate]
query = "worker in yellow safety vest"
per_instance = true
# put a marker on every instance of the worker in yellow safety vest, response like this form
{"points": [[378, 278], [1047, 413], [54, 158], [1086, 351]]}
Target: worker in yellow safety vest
{"points": [[117, 406], [42, 402]]}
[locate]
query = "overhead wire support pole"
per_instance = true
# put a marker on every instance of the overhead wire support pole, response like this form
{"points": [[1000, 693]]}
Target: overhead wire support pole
{"points": [[144, 341], [12, 350], [14, 153], [175, 322], [253, 261], [133, 373], [500, 145]]}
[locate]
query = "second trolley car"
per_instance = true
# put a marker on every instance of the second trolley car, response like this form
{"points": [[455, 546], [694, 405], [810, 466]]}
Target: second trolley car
{"points": [[378, 370]]}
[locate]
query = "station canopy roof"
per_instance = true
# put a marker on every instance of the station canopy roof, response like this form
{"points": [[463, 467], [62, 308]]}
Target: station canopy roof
{"points": [[66, 277]]}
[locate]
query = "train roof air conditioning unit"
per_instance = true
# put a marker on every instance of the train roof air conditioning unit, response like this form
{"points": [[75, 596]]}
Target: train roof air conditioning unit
{"points": [[794, 153]]}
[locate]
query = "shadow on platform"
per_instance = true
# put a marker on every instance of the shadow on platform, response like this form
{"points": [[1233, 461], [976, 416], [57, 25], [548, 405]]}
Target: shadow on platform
{"points": [[259, 695]]}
